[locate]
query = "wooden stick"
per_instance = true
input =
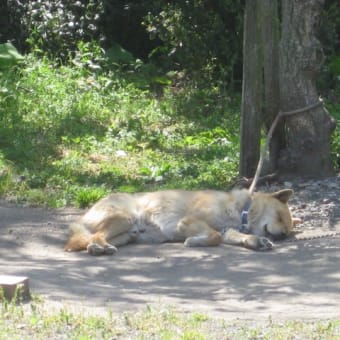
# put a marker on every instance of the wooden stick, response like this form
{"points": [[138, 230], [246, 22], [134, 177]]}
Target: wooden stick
{"points": [[269, 136]]}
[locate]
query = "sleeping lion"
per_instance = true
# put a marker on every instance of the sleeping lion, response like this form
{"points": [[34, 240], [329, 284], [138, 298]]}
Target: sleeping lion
{"points": [[197, 218]]}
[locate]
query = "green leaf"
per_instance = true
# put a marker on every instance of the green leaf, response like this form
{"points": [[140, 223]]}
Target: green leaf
{"points": [[161, 80], [335, 65], [117, 54], [9, 55]]}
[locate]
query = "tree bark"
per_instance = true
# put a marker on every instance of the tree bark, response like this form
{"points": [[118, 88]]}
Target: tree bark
{"points": [[271, 97], [307, 151], [251, 91], [260, 91]]}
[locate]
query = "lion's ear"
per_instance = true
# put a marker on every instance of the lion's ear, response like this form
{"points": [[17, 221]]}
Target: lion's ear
{"points": [[283, 195]]}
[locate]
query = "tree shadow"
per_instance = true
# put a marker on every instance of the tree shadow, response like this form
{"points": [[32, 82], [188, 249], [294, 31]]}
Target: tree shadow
{"points": [[222, 279]]}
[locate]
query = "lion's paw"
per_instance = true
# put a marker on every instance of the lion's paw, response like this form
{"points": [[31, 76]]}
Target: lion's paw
{"points": [[257, 243], [134, 234], [110, 250], [189, 242], [265, 244], [96, 249]]}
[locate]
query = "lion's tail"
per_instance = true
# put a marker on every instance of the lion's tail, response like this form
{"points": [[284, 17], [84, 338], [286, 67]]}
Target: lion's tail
{"points": [[79, 239]]}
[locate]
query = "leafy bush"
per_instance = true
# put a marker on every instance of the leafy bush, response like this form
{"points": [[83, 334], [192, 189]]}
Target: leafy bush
{"points": [[335, 147], [194, 36], [329, 80], [54, 28], [9, 56], [201, 39], [72, 133], [87, 196]]}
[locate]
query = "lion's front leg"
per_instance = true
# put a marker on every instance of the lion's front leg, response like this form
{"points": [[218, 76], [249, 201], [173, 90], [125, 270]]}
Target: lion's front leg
{"points": [[236, 238], [197, 233]]}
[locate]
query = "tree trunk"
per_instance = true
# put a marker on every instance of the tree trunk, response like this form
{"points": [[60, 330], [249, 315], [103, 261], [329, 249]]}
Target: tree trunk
{"points": [[307, 151], [251, 90], [271, 97], [260, 92]]}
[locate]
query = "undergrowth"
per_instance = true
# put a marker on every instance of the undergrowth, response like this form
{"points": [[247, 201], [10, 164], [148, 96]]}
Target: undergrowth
{"points": [[71, 133], [163, 322]]}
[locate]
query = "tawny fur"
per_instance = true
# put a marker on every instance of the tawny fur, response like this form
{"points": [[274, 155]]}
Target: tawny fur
{"points": [[197, 218]]}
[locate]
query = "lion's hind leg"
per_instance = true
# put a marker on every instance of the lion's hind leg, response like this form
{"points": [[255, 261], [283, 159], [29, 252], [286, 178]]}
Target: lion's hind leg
{"points": [[99, 232], [95, 244], [198, 233], [114, 229], [79, 239], [98, 245]]}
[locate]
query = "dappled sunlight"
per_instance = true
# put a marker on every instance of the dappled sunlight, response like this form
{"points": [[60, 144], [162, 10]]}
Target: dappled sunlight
{"points": [[222, 279]]}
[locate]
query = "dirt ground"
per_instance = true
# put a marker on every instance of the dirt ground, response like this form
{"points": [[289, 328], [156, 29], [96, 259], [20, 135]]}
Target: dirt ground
{"points": [[296, 280]]}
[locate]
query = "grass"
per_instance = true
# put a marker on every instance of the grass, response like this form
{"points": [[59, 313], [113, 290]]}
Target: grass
{"points": [[334, 109], [68, 135], [38, 321]]}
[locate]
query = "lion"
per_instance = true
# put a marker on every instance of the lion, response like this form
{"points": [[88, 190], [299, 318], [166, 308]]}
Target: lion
{"points": [[197, 218]]}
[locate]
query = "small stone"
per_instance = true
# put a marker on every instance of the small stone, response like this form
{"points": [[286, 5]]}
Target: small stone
{"points": [[121, 153], [288, 184]]}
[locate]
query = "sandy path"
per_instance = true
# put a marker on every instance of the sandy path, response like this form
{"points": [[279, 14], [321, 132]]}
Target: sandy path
{"points": [[295, 280]]}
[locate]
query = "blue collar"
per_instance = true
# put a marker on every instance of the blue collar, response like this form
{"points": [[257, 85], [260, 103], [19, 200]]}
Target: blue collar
{"points": [[244, 218]]}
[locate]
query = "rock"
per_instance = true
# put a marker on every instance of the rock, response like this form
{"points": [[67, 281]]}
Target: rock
{"points": [[14, 287]]}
